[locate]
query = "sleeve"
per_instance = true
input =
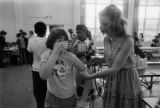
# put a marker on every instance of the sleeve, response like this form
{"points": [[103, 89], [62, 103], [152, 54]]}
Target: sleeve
{"points": [[77, 63], [45, 56], [29, 48]]}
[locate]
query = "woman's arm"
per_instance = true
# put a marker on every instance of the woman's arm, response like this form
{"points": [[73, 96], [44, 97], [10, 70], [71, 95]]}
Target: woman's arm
{"points": [[118, 62]]}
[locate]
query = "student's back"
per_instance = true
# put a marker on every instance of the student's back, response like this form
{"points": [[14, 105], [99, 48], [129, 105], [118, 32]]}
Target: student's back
{"points": [[37, 47]]}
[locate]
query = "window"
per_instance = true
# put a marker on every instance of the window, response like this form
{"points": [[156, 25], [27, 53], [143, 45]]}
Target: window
{"points": [[149, 18], [90, 12]]}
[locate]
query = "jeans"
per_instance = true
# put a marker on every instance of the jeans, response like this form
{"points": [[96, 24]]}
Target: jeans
{"points": [[39, 89], [55, 102]]}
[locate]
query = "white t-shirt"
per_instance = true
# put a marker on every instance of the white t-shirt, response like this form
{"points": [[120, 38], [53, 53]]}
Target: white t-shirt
{"points": [[81, 46], [37, 46], [61, 82]]}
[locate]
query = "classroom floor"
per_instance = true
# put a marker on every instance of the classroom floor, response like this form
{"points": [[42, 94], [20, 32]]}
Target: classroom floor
{"points": [[16, 88]]}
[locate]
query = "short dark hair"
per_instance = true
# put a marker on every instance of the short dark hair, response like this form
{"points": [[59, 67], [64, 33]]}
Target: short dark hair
{"points": [[21, 30], [40, 28], [54, 35], [81, 27], [18, 35], [3, 32]]}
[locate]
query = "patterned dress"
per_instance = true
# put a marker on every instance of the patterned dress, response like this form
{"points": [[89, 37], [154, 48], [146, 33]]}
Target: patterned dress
{"points": [[122, 90]]}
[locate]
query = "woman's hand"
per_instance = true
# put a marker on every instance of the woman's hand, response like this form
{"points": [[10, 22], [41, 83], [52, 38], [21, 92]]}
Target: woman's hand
{"points": [[86, 74]]}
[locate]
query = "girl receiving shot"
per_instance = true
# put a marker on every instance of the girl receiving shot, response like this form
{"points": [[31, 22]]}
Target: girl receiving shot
{"points": [[58, 68]]}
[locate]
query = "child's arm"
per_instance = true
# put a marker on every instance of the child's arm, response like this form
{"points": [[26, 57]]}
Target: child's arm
{"points": [[46, 65], [87, 87], [85, 74], [79, 65]]}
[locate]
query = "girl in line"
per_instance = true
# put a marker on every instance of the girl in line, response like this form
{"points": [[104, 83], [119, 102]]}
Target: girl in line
{"points": [[58, 68]]}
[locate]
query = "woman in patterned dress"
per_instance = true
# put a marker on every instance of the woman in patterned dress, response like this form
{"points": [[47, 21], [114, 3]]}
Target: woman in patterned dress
{"points": [[122, 89]]}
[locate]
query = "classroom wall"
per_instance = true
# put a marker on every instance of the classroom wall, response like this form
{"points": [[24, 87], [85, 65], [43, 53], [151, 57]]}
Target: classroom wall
{"points": [[23, 14], [7, 18]]}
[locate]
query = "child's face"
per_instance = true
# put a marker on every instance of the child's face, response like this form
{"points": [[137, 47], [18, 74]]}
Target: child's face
{"points": [[62, 40], [82, 36]]}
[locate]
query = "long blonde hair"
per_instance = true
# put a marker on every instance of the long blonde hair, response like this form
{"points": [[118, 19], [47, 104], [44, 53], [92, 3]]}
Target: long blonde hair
{"points": [[117, 21]]}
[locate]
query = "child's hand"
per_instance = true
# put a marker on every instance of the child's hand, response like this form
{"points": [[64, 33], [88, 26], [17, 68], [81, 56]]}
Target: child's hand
{"points": [[60, 46]]}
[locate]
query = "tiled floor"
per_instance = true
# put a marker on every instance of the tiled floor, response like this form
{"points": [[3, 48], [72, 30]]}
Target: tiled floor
{"points": [[152, 96], [16, 88]]}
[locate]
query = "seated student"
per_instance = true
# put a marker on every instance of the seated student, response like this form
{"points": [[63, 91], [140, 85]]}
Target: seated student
{"points": [[135, 38], [139, 52], [155, 43], [57, 67], [157, 37], [140, 60], [141, 39]]}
